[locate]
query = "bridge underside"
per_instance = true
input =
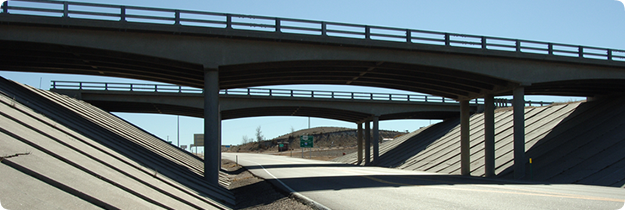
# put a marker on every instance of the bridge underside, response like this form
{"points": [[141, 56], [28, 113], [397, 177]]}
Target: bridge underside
{"points": [[455, 84], [40, 57]]}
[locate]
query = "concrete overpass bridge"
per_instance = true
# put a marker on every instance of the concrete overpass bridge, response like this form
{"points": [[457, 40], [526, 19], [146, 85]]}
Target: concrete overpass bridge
{"points": [[221, 51], [356, 107]]}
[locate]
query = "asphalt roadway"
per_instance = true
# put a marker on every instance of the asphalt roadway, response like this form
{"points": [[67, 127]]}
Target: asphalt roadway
{"points": [[340, 186]]}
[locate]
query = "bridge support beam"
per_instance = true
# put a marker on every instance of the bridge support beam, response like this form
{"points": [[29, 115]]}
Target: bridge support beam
{"points": [[360, 143], [212, 127], [518, 104], [489, 135], [367, 143], [376, 139], [465, 148]]}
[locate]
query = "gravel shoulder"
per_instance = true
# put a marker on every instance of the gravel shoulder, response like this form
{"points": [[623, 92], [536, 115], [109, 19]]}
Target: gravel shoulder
{"points": [[252, 192]]}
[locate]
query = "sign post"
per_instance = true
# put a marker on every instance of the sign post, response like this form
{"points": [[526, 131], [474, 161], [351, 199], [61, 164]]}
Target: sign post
{"points": [[306, 141]]}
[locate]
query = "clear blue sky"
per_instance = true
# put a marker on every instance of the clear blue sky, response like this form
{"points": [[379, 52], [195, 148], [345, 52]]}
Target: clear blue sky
{"points": [[599, 23]]}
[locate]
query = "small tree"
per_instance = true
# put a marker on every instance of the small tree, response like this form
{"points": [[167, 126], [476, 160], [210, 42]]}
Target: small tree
{"points": [[259, 136]]}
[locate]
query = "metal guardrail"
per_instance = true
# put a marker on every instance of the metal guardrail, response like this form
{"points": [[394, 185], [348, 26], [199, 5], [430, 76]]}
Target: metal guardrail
{"points": [[298, 26], [265, 92]]}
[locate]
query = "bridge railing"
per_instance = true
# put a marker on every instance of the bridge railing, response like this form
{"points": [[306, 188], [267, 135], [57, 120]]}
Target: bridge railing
{"points": [[299, 26], [266, 92]]}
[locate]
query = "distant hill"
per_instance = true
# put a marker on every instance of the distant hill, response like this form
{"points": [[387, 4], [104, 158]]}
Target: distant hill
{"points": [[323, 137]]}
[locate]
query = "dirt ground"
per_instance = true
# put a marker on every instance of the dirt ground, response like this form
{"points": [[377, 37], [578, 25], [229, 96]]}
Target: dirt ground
{"points": [[252, 192]]}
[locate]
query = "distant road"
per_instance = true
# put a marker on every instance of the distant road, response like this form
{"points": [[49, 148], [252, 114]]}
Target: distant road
{"points": [[339, 186]]}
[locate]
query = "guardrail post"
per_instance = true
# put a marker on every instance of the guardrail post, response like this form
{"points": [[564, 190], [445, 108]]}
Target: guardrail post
{"points": [[5, 7], [180, 89], [312, 93], [443, 99], [249, 92], [367, 32], [390, 97], [155, 88], [426, 98], [131, 87], [484, 43], [371, 96], [291, 93], [177, 17], [53, 84], [332, 94], [518, 45], [447, 39], [65, 9], [229, 21], [324, 29], [609, 54], [122, 11], [580, 51], [550, 48], [270, 92], [408, 36], [408, 98], [278, 29], [80, 85], [106, 86]]}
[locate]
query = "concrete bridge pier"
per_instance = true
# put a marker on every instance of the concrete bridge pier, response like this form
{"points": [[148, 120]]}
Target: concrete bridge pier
{"points": [[376, 139], [212, 127], [367, 143], [489, 135], [518, 104], [359, 139], [465, 148]]}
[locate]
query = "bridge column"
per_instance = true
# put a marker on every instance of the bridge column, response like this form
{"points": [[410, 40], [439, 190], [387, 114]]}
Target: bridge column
{"points": [[367, 143], [465, 148], [212, 132], [359, 139], [489, 135], [518, 104], [376, 139]]}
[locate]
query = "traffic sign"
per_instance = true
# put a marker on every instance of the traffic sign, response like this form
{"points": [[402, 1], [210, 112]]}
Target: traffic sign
{"points": [[306, 141]]}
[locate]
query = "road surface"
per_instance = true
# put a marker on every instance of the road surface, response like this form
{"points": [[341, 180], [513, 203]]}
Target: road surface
{"points": [[340, 186]]}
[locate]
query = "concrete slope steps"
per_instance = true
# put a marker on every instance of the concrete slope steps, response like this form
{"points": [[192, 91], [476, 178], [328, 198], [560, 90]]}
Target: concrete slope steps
{"points": [[504, 137], [535, 130], [503, 144], [128, 150], [560, 132], [584, 149], [115, 141], [387, 146], [352, 158], [419, 142], [130, 133], [68, 160], [114, 124]]}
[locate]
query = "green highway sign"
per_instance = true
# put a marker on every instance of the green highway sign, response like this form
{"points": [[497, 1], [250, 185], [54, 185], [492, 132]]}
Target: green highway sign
{"points": [[306, 141]]}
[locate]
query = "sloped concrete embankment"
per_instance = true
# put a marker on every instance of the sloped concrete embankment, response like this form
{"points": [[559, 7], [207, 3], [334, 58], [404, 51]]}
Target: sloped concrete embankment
{"points": [[74, 155], [569, 143]]}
